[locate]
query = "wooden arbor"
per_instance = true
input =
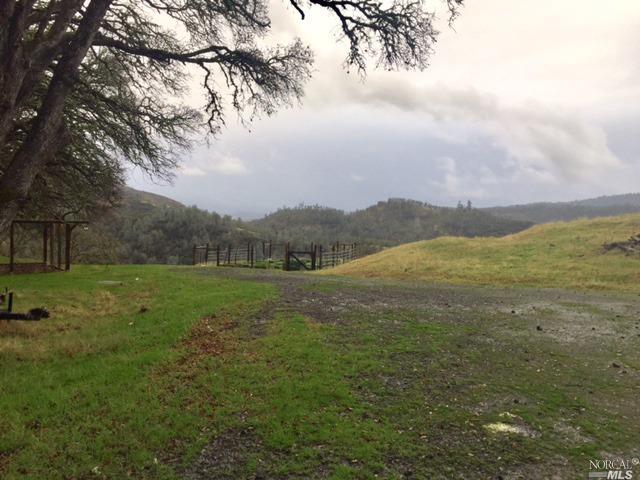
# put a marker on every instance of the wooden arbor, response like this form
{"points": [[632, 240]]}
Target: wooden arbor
{"points": [[54, 232]]}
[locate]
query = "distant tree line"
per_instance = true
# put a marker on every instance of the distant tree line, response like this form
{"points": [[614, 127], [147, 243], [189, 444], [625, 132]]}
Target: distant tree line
{"points": [[149, 228], [385, 224]]}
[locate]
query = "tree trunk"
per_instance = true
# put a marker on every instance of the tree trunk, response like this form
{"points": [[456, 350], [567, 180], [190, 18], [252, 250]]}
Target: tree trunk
{"points": [[13, 20], [44, 139]]}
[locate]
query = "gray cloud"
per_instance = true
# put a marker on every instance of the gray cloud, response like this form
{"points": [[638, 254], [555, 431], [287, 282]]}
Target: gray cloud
{"points": [[544, 106], [545, 144]]}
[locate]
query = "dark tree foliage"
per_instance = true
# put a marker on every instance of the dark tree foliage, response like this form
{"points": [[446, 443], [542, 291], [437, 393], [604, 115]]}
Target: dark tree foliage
{"points": [[88, 87], [387, 223], [152, 229]]}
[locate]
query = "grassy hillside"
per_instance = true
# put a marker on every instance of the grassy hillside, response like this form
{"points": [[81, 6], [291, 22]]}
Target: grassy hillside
{"points": [[131, 197], [563, 254]]}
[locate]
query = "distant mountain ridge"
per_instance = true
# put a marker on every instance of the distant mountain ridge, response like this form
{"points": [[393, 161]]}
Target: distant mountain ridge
{"points": [[152, 228], [610, 200], [543, 212]]}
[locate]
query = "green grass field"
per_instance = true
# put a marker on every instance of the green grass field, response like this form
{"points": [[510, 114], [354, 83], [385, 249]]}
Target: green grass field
{"points": [[563, 254], [98, 386], [220, 373]]}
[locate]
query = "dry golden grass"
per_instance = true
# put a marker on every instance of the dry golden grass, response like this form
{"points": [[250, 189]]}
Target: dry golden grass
{"points": [[561, 254]]}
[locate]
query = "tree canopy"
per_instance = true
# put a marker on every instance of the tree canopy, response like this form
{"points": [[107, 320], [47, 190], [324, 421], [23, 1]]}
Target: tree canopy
{"points": [[89, 87]]}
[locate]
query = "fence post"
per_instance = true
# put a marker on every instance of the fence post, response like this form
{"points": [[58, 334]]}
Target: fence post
{"points": [[217, 255], [248, 253], [67, 246], [194, 254], [286, 257], [253, 253], [206, 254], [319, 257], [59, 240], [314, 249], [51, 245], [45, 243], [229, 254], [11, 247]]}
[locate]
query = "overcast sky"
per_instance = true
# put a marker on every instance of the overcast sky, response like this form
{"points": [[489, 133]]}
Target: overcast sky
{"points": [[525, 101]]}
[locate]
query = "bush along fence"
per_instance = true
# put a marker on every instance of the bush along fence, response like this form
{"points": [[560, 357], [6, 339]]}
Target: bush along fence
{"points": [[275, 255]]}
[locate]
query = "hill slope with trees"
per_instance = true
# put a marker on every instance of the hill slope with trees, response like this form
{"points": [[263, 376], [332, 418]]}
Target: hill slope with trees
{"points": [[604, 206], [151, 228], [385, 224]]}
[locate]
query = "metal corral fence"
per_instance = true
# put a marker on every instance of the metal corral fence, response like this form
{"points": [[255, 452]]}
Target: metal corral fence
{"points": [[275, 255]]}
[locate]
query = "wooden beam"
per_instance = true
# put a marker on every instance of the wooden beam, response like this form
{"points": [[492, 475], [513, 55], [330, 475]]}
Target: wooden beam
{"points": [[61, 222]]}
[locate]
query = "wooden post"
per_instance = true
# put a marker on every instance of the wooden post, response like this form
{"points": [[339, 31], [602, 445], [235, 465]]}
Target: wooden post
{"points": [[195, 249], [11, 247], [217, 255], [319, 257], [286, 257], [253, 253], [59, 241], [45, 243], [229, 254], [206, 254], [67, 246], [314, 251], [248, 253], [51, 244]]}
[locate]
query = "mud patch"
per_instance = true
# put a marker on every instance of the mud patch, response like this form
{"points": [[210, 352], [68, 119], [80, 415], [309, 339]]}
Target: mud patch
{"points": [[556, 469], [571, 434], [226, 458], [570, 324], [209, 337]]}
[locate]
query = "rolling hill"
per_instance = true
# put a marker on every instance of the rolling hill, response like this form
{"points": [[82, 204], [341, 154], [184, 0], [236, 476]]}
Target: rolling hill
{"points": [[562, 254], [138, 199], [387, 223], [151, 228], [553, 211]]}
